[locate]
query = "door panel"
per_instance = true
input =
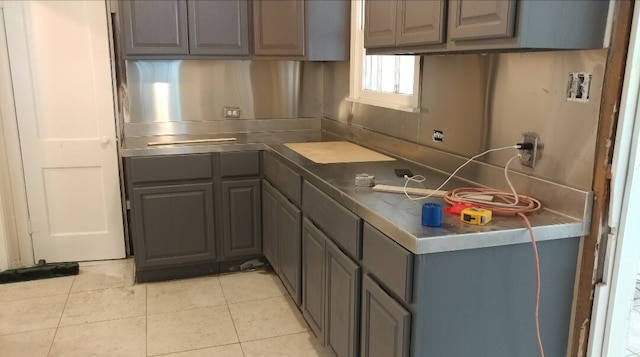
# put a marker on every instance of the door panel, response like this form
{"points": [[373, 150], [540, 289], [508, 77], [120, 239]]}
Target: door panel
{"points": [[279, 28], [242, 234], [420, 22], [481, 19], [270, 224], [380, 23], [289, 226], [313, 267], [218, 27], [65, 112], [155, 27]]}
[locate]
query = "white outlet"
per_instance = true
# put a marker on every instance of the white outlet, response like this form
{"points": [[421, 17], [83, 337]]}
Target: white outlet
{"points": [[231, 112]]}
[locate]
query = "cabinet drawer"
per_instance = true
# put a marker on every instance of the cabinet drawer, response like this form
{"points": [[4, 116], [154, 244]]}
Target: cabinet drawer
{"points": [[283, 178], [240, 163], [170, 168], [335, 220], [388, 261]]}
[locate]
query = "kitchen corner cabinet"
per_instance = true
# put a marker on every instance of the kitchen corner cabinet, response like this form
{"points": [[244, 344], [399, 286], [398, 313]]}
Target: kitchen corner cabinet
{"points": [[304, 29], [194, 214], [173, 223], [404, 26], [330, 292], [185, 27], [282, 224]]}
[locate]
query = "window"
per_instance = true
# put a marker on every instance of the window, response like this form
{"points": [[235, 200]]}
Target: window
{"points": [[385, 81]]}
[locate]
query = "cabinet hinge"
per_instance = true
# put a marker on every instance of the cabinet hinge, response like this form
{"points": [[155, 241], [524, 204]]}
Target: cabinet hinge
{"points": [[127, 204]]}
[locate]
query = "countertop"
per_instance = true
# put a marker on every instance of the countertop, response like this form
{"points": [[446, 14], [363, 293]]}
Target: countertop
{"points": [[393, 214]]}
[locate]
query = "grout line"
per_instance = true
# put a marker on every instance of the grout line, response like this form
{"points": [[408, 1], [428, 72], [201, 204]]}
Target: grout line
{"points": [[66, 302]]}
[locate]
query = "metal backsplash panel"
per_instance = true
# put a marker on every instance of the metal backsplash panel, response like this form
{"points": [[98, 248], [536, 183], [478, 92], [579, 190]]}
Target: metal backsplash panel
{"points": [[160, 91], [486, 101]]}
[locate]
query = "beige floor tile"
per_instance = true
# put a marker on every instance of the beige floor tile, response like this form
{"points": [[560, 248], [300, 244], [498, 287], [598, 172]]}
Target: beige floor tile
{"points": [[115, 338], [266, 318], [189, 329], [221, 351], [184, 294], [35, 288], [27, 344], [103, 276], [298, 345], [253, 285], [107, 304], [31, 314]]}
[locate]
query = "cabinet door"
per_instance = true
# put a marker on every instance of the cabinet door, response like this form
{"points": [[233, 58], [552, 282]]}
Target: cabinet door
{"points": [[279, 28], [385, 323], [270, 208], [155, 27], [289, 227], [174, 225], [380, 23], [218, 27], [420, 22], [313, 267], [343, 302], [481, 19], [241, 219]]}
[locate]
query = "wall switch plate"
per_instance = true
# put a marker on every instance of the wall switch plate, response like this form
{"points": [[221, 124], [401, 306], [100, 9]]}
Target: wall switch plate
{"points": [[529, 156], [231, 112]]}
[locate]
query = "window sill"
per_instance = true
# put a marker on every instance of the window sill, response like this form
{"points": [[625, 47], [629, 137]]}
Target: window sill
{"points": [[387, 105]]}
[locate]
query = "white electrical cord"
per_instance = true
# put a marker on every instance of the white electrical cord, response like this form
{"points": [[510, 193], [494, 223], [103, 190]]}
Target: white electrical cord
{"points": [[420, 178]]}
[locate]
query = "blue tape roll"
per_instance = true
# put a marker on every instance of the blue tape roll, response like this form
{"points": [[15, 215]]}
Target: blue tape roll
{"points": [[431, 215]]}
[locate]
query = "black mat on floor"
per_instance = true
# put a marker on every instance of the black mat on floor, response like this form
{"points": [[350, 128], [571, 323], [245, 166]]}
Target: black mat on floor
{"points": [[52, 270]]}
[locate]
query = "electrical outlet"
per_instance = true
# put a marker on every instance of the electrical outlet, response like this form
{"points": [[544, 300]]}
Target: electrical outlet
{"points": [[529, 156], [579, 87], [231, 112]]}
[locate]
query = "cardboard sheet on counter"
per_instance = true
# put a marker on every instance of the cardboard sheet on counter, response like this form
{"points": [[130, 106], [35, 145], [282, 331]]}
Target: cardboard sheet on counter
{"points": [[333, 152]]}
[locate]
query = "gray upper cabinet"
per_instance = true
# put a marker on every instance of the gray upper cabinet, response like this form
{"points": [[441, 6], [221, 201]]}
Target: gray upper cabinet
{"points": [[482, 25], [302, 29], [155, 27], [279, 28], [185, 27], [473, 19], [218, 27], [391, 23]]}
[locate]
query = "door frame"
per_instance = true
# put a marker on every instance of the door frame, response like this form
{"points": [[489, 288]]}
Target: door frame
{"points": [[15, 200], [613, 296]]}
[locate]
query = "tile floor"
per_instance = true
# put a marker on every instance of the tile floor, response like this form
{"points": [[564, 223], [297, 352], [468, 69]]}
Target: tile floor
{"points": [[100, 312]]}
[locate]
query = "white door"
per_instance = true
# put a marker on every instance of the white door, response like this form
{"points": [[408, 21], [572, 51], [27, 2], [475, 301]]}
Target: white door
{"points": [[61, 74]]}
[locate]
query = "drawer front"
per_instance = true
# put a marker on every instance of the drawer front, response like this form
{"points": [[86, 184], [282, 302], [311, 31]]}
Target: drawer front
{"points": [[170, 168], [340, 224], [240, 163], [388, 261], [283, 178]]}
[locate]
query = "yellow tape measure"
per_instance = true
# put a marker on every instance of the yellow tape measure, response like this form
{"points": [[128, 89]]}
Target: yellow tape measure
{"points": [[474, 215]]}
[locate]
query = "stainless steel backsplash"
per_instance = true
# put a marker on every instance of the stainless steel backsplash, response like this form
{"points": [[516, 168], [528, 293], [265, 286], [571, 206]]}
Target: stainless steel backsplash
{"points": [[479, 102], [188, 96], [486, 101]]}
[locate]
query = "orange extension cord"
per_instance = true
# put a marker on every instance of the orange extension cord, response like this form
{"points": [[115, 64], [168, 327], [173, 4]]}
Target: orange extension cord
{"points": [[507, 205]]}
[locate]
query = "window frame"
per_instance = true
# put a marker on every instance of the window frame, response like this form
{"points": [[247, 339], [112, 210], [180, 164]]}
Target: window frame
{"points": [[357, 93]]}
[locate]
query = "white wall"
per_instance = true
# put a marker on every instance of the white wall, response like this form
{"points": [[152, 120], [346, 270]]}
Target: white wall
{"points": [[4, 259]]}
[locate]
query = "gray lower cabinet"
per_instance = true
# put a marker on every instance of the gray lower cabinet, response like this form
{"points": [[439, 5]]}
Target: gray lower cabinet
{"points": [[174, 225], [242, 235], [385, 323], [194, 214], [281, 229], [330, 292]]}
